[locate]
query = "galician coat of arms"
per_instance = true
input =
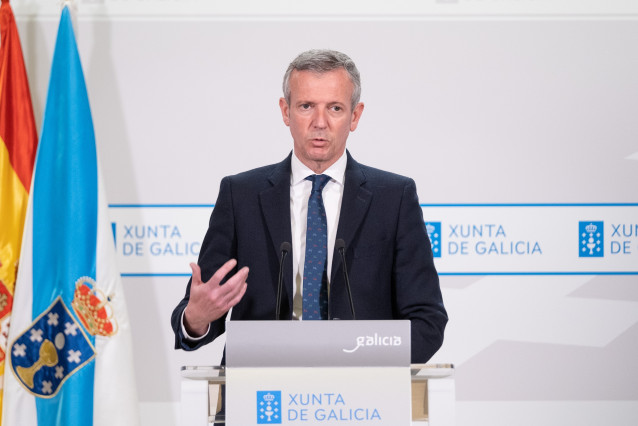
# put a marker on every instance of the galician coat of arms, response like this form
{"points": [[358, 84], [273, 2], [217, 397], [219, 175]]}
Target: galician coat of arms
{"points": [[57, 345]]}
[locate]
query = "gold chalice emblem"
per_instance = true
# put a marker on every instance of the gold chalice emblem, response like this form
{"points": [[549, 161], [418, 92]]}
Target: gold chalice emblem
{"points": [[48, 358]]}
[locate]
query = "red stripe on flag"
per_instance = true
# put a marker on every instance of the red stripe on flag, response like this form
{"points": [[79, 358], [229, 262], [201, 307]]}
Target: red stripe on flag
{"points": [[17, 124]]}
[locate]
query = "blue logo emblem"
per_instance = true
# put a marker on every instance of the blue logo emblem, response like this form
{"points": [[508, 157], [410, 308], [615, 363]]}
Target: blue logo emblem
{"points": [[591, 238], [268, 407], [434, 233], [50, 351]]}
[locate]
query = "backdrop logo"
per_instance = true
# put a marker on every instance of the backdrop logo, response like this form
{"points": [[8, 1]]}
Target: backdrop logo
{"points": [[591, 238], [268, 407], [434, 233]]}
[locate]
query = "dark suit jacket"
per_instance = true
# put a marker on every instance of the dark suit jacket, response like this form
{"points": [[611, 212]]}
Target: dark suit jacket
{"points": [[388, 253]]}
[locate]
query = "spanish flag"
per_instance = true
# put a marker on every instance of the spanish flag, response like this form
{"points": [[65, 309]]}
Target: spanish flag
{"points": [[18, 141]]}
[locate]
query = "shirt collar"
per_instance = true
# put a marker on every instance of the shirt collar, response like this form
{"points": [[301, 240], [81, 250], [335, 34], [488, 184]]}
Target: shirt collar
{"points": [[300, 171]]}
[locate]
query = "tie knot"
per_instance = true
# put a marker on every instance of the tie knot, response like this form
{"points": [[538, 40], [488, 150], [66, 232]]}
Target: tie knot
{"points": [[318, 182]]}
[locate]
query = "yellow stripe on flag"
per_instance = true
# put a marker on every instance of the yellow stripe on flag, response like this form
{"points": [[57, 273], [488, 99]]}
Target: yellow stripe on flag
{"points": [[13, 205]]}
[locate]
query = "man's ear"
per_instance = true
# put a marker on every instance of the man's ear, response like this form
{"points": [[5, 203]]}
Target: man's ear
{"points": [[285, 111], [356, 115]]}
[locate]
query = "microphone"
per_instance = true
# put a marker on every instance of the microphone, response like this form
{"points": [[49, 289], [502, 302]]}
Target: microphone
{"points": [[284, 248], [340, 245]]}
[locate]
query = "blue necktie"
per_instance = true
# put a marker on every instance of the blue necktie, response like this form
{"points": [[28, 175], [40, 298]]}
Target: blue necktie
{"points": [[315, 277]]}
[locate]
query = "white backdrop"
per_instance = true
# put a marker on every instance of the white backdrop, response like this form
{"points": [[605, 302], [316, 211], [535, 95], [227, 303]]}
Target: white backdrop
{"points": [[482, 103]]}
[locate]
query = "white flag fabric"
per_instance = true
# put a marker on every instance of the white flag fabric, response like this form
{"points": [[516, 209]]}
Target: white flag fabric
{"points": [[69, 355]]}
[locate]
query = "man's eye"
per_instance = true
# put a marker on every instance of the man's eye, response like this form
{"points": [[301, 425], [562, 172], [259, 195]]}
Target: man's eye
{"points": [[305, 106], [336, 108]]}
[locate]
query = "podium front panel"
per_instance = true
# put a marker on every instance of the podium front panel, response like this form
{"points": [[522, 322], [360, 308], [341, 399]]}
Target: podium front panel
{"points": [[318, 372], [318, 396]]}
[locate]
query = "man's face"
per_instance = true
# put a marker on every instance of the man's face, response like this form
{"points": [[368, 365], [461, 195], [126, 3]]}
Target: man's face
{"points": [[320, 116]]}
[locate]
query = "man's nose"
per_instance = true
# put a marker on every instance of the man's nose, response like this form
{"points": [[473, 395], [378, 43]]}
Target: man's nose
{"points": [[319, 119]]}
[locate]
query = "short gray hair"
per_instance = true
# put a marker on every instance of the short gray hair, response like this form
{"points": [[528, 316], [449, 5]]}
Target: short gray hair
{"points": [[321, 61]]}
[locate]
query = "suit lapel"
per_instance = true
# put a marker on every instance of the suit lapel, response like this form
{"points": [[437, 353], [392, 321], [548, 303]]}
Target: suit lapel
{"points": [[275, 207], [354, 205]]}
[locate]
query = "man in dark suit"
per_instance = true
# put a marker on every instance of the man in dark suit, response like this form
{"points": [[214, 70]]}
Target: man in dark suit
{"points": [[376, 213]]}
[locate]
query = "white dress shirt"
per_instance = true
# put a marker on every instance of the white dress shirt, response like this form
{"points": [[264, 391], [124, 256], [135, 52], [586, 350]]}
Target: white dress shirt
{"points": [[300, 190]]}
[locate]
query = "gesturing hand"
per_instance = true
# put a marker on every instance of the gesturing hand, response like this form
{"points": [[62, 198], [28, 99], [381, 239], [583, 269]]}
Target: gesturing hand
{"points": [[209, 300]]}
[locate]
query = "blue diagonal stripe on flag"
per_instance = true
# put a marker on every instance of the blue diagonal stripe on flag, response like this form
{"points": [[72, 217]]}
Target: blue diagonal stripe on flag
{"points": [[65, 208]]}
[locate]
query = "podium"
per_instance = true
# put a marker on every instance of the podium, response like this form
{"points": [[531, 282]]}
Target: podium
{"points": [[323, 372]]}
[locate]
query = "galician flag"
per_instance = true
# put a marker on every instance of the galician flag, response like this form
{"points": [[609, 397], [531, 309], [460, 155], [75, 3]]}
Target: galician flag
{"points": [[18, 141], [69, 354]]}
